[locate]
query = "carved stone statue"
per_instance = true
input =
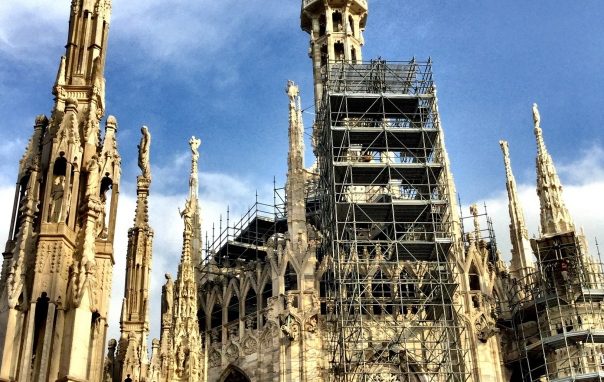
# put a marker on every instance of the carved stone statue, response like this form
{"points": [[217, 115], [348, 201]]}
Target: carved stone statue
{"points": [[536, 116], [187, 215], [57, 192], [143, 153], [167, 298], [194, 143], [92, 184]]}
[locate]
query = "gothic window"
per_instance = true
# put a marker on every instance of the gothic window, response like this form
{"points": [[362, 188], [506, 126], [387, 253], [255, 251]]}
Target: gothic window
{"points": [[338, 49], [290, 278], [233, 308], [336, 18], [324, 291], [251, 306], [216, 316], [267, 292], [201, 319], [40, 319], [322, 25], [60, 166], [353, 55], [474, 278], [323, 55], [234, 374]]}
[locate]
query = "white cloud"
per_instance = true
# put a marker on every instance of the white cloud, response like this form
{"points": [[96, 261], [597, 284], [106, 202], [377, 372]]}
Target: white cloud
{"points": [[175, 32], [20, 20]]}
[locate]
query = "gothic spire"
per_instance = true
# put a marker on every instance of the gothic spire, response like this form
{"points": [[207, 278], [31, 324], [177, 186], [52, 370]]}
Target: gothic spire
{"points": [[134, 322], [554, 215], [521, 248], [192, 229], [193, 203], [87, 40], [143, 181], [296, 207], [185, 337]]}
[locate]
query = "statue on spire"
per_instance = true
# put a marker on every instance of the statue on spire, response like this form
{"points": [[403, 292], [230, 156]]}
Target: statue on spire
{"points": [[536, 116], [194, 143], [143, 153]]}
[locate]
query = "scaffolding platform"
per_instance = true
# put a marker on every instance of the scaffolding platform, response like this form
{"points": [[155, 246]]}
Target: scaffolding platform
{"points": [[387, 217]]}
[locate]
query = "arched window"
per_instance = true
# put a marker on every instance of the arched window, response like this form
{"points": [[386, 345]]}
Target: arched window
{"points": [[234, 374], [216, 316], [290, 278], [233, 308], [322, 25], [353, 55], [201, 319], [474, 278], [267, 292], [251, 306], [324, 291], [336, 18], [60, 166], [338, 49], [351, 24], [324, 55]]}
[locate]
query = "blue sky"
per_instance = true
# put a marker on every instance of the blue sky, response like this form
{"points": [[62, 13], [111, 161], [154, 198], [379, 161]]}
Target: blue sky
{"points": [[218, 70]]}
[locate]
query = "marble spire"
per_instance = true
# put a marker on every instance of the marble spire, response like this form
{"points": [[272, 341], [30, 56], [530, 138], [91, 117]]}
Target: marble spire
{"points": [[554, 215], [522, 263], [296, 206]]}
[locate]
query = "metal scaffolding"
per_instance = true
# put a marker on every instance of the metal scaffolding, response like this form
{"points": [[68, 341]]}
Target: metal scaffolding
{"points": [[237, 247], [245, 239], [388, 226], [557, 313]]}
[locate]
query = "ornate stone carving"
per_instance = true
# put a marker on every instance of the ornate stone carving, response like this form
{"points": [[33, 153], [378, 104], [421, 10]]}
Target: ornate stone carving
{"points": [[249, 345], [144, 152], [214, 359], [232, 352]]}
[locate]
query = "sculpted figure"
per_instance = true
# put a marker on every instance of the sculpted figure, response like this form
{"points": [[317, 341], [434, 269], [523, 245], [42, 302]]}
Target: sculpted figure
{"points": [[187, 215], [106, 185], [194, 143], [536, 116], [58, 190], [92, 185], [143, 153], [167, 298]]}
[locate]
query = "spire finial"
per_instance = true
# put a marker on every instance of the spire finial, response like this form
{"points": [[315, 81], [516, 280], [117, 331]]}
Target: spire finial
{"points": [[296, 206], [194, 143], [541, 149], [522, 263], [554, 215], [474, 212]]}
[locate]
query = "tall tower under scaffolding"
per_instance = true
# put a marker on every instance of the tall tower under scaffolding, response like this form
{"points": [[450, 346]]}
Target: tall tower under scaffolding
{"points": [[389, 219]]}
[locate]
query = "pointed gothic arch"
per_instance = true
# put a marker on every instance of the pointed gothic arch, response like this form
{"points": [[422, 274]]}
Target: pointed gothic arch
{"points": [[234, 374]]}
